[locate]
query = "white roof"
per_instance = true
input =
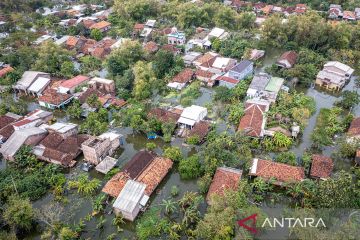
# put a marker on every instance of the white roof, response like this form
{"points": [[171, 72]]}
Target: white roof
{"points": [[146, 31], [106, 165], [176, 85], [2, 22], [130, 196], [150, 23], [186, 121], [62, 40], [144, 200], [27, 79], [111, 135], [62, 127], [119, 42], [193, 112], [39, 85], [254, 166], [42, 39], [102, 80], [216, 32], [221, 62], [339, 65]]}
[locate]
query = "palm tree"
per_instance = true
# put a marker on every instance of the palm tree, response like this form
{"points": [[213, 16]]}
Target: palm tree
{"points": [[170, 206], [280, 140], [118, 220], [191, 215], [260, 185]]}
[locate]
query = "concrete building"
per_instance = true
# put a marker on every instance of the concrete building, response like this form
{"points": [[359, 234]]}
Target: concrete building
{"points": [[28, 78], [192, 115], [102, 84], [334, 75]]}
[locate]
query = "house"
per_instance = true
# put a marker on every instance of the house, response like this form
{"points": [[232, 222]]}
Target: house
{"points": [[131, 170], [151, 47], [69, 86], [43, 39], [225, 178], [96, 149], [241, 70], [106, 165], [27, 136], [335, 11], [200, 130], [217, 33], [265, 87], [5, 69], [206, 77], [53, 99], [190, 57], [59, 148], [182, 79], [38, 87], [128, 203], [103, 26], [227, 81], [280, 173], [321, 166], [267, 9], [137, 29], [154, 174], [176, 37], [300, 8], [192, 115], [357, 13], [255, 54], [150, 23], [349, 15], [205, 62], [32, 119], [6, 129], [103, 85], [220, 65], [63, 129], [257, 7], [163, 115], [171, 48], [254, 120], [353, 132], [119, 43], [287, 59], [334, 75], [27, 79]]}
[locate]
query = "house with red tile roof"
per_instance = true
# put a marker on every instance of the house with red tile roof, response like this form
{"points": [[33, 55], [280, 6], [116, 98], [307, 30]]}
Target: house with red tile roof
{"points": [[151, 47], [5, 70], [69, 86], [103, 26], [206, 77], [53, 99], [163, 115], [349, 16], [182, 79], [227, 81], [280, 173], [225, 178], [300, 8], [353, 132], [253, 122], [171, 48], [321, 166], [287, 59]]}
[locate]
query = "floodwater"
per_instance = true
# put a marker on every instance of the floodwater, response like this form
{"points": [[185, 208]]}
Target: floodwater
{"points": [[79, 206]]}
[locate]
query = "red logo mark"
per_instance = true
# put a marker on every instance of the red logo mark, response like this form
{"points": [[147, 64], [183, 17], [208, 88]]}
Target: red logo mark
{"points": [[247, 227]]}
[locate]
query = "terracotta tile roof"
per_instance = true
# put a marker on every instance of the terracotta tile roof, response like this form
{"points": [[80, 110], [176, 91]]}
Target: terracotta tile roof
{"points": [[72, 41], [72, 144], [290, 56], [88, 23], [90, 91], [200, 129], [349, 15], [224, 178], [321, 166], [138, 163], [279, 171], [6, 120], [163, 115], [53, 154], [227, 79], [151, 47], [51, 96], [207, 59], [154, 173], [114, 186], [252, 121], [139, 26], [5, 71], [88, 44], [118, 102], [75, 81], [52, 140], [354, 129], [203, 73], [170, 48], [267, 9], [259, 5], [99, 52], [184, 76], [7, 131], [166, 31], [100, 25]]}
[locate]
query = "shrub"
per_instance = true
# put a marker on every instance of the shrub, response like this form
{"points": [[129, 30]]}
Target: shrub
{"points": [[174, 153], [190, 168], [150, 146], [193, 140], [204, 183]]}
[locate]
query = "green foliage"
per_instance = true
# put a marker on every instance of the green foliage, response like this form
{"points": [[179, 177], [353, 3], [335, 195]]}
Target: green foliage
{"points": [[124, 57], [287, 158], [174, 153], [74, 110], [190, 93], [167, 129], [93, 101], [349, 99], [96, 34], [19, 213], [190, 168], [328, 123], [145, 80], [236, 112], [89, 64], [151, 225], [281, 140], [52, 59], [204, 183], [174, 191], [66, 233], [96, 122], [67, 69], [193, 140], [163, 62], [150, 146], [233, 47], [84, 185], [222, 94]]}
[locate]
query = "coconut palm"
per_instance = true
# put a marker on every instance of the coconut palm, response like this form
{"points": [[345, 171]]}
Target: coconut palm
{"points": [[191, 215], [170, 206], [281, 141]]}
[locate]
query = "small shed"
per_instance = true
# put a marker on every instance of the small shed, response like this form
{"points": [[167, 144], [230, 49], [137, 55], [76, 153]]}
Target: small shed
{"points": [[106, 165], [128, 201]]}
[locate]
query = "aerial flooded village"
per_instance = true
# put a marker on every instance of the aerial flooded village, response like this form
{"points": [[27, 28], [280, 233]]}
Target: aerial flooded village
{"points": [[181, 119]]}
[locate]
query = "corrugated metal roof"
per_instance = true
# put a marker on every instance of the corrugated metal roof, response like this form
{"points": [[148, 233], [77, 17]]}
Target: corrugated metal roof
{"points": [[274, 84], [39, 85], [130, 196]]}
